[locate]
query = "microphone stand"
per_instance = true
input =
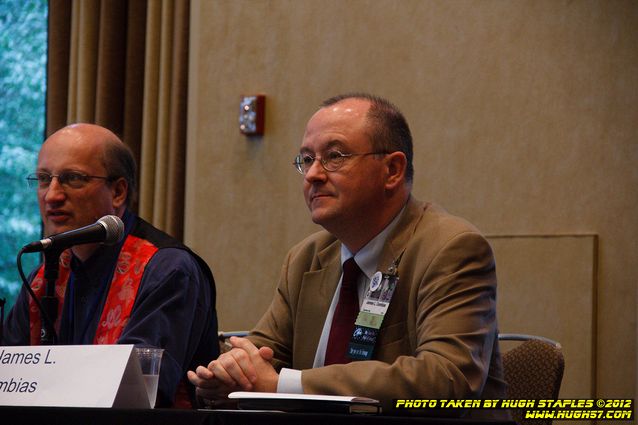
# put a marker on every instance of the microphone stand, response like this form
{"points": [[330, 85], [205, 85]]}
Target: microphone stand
{"points": [[49, 300]]}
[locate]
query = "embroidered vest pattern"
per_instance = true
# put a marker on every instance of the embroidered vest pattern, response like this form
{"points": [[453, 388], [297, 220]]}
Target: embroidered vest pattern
{"points": [[38, 285], [133, 258]]}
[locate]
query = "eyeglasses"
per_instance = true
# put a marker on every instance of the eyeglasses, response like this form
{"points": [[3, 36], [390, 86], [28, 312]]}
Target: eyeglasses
{"points": [[69, 179], [330, 161]]}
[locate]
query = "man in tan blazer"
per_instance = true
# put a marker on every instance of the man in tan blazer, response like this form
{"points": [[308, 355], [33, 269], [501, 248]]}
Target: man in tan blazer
{"points": [[438, 338]]}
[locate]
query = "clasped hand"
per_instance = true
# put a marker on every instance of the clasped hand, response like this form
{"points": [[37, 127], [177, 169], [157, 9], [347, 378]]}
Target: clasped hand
{"points": [[244, 368]]}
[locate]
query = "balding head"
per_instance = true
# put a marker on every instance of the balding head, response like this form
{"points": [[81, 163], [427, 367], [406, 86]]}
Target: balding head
{"points": [[93, 175], [115, 156]]}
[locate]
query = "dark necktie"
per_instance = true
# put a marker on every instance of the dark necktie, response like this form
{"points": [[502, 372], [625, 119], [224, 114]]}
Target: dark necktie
{"points": [[344, 315]]}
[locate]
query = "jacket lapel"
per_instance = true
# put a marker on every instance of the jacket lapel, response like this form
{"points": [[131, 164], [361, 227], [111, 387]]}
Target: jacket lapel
{"points": [[318, 286], [317, 290]]}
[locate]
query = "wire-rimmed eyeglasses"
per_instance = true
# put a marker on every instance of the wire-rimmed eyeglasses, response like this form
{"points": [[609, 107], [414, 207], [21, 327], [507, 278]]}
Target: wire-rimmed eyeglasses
{"points": [[330, 161], [72, 179]]}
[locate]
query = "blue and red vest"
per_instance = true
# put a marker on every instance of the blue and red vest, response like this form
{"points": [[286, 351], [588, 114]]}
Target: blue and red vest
{"points": [[137, 250], [131, 262]]}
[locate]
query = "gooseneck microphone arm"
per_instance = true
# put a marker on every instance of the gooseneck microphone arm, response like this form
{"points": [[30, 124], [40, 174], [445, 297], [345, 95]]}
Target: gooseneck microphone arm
{"points": [[43, 312], [49, 300]]}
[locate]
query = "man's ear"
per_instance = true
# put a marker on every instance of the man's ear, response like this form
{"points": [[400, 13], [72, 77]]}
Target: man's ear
{"points": [[396, 165], [119, 188]]}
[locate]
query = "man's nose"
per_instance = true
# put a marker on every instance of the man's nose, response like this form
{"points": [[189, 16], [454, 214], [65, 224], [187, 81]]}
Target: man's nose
{"points": [[55, 191], [315, 171]]}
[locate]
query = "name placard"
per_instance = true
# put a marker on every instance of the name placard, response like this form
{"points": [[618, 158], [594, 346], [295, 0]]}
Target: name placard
{"points": [[72, 376]]}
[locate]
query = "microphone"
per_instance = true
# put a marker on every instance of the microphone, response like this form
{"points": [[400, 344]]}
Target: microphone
{"points": [[108, 230]]}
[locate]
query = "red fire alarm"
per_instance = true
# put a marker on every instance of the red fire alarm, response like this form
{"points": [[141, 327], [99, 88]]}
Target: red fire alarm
{"points": [[252, 110]]}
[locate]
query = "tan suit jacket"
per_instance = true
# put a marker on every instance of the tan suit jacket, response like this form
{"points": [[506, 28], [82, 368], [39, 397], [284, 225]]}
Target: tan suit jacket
{"points": [[439, 337]]}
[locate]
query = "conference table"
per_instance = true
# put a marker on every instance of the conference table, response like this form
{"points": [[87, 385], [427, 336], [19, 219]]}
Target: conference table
{"points": [[19, 415]]}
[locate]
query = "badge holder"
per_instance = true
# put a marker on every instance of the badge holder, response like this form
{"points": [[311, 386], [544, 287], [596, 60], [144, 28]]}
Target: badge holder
{"points": [[375, 306]]}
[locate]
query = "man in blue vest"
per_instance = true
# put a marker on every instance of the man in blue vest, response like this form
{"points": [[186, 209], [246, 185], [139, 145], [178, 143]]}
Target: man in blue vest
{"points": [[149, 290]]}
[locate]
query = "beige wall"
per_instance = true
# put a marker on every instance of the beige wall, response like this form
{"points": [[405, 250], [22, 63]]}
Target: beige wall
{"points": [[524, 115]]}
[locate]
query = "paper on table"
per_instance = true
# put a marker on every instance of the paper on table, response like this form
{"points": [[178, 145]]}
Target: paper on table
{"points": [[305, 402]]}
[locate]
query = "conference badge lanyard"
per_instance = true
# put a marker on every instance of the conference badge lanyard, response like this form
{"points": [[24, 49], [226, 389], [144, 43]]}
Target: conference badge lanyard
{"points": [[375, 306]]}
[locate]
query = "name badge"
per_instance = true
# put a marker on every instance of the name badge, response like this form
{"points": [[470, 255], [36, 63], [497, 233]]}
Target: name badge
{"points": [[375, 306]]}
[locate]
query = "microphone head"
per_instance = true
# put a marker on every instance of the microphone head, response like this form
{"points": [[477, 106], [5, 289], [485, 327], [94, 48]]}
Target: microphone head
{"points": [[114, 229]]}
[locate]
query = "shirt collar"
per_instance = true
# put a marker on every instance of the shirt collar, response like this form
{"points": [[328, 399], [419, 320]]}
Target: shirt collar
{"points": [[368, 257]]}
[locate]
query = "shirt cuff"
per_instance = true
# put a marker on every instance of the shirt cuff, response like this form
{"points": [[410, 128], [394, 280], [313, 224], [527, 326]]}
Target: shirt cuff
{"points": [[289, 381]]}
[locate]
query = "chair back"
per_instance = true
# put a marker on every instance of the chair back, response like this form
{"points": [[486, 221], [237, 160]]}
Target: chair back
{"points": [[533, 371]]}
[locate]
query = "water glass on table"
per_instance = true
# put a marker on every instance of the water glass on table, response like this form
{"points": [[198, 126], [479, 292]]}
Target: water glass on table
{"points": [[150, 361]]}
